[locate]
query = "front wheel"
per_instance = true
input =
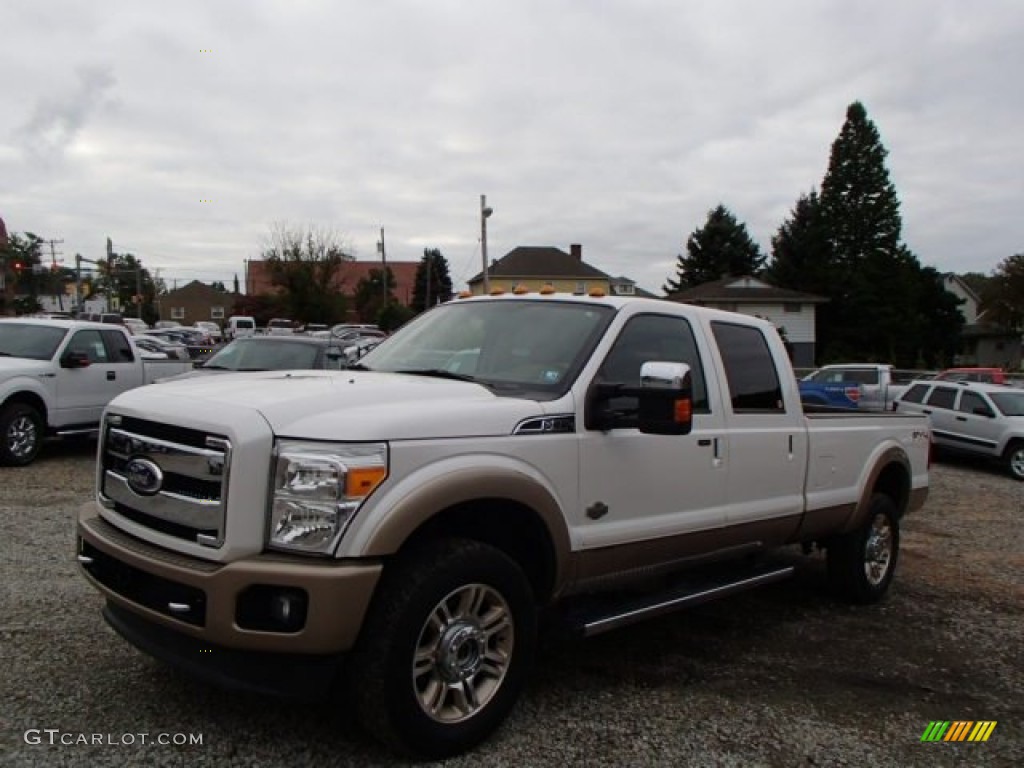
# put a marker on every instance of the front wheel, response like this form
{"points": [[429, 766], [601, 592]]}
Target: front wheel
{"points": [[861, 563], [1014, 459], [445, 650], [21, 433]]}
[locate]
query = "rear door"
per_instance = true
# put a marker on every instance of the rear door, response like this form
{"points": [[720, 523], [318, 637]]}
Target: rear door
{"points": [[940, 405], [766, 446]]}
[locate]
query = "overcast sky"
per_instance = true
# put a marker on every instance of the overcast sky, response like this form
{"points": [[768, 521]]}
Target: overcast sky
{"points": [[183, 131]]}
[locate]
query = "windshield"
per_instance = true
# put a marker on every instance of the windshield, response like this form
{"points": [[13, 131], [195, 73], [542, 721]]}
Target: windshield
{"points": [[264, 355], [516, 347], [35, 342], [1009, 403]]}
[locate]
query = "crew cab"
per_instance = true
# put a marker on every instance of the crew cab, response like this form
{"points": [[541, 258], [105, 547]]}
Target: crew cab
{"points": [[868, 386], [409, 517], [56, 376], [973, 418]]}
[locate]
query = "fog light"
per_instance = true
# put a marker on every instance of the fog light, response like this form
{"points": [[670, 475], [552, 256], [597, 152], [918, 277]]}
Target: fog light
{"points": [[269, 608]]}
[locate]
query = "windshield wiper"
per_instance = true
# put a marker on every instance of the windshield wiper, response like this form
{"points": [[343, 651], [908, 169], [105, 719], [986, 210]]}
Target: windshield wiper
{"points": [[216, 367], [439, 373], [356, 367]]}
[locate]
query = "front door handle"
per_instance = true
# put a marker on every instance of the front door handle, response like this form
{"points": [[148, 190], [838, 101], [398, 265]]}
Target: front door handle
{"points": [[111, 375]]}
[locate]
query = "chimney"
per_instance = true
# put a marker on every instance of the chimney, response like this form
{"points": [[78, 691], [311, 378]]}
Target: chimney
{"points": [[577, 251]]}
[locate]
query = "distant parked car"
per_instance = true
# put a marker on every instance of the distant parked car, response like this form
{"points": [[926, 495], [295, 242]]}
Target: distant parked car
{"points": [[975, 418], [279, 326], [239, 327], [211, 328], [988, 375], [155, 344], [161, 324], [271, 353]]}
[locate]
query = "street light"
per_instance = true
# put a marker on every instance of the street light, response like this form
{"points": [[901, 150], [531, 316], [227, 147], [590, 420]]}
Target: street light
{"points": [[485, 213]]}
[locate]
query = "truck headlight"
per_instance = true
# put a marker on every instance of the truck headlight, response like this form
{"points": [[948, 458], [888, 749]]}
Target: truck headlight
{"points": [[317, 488]]}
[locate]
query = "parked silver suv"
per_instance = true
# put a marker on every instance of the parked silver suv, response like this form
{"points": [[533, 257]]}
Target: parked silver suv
{"points": [[975, 418]]}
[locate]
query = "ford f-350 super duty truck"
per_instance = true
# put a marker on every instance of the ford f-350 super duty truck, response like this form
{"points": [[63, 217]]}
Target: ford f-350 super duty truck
{"points": [[399, 526]]}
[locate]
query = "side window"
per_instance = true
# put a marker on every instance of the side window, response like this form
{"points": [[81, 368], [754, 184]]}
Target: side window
{"points": [[915, 394], [864, 376], [749, 369], [971, 402], [942, 397], [118, 348], [653, 337], [91, 343]]}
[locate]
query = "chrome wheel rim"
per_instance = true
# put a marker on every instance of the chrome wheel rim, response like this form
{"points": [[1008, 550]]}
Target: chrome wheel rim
{"points": [[21, 437], [463, 653], [1017, 462], [878, 550]]}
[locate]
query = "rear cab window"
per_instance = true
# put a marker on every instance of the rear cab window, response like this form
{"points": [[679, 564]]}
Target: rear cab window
{"points": [[750, 372]]}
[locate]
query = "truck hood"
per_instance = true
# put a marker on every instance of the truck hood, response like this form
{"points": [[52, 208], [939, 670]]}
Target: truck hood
{"points": [[345, 405], [23, 366]]}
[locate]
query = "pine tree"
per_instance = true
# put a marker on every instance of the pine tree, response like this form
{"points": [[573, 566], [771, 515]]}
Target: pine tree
{"points": [[721, 247], [433, 284], [801, 249]]}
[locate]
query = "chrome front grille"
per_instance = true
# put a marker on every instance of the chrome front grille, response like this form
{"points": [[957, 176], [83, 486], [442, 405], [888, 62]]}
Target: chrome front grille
{"points": [[171, 479]]}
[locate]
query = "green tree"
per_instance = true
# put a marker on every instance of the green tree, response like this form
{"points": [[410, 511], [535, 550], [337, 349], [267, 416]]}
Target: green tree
{"points": [[1003, 297], [120, 279], [721, 247], [370, 297], [433, 284], [306, 265]]}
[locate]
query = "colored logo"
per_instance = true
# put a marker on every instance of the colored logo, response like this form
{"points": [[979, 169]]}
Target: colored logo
{"points": [[144, 477], [958, 730]]}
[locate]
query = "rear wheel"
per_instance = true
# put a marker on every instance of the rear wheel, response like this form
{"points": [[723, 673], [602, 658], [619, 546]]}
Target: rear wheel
{"points": [[21, 434], [1014, 459], [861, 563], [445, 650]]}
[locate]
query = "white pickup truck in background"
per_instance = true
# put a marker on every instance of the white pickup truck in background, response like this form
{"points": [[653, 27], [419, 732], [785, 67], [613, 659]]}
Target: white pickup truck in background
{"points": [[606, 459], [56, 377]]}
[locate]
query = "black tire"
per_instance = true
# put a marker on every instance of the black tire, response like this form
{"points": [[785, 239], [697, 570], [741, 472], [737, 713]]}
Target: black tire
{"points": [[483, 643], [21, 434], [861, 563], [1013, 459]]}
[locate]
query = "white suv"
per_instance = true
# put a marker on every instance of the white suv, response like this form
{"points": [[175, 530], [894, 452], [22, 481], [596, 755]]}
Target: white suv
{"points": [[976, 418]]}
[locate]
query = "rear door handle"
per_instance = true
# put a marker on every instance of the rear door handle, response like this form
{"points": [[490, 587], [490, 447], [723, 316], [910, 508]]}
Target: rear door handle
{"points": [[925, 410], [961, 418], [111, 375]]}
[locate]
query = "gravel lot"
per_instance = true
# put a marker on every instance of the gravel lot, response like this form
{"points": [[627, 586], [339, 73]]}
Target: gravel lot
{"points": [[783, 676]]}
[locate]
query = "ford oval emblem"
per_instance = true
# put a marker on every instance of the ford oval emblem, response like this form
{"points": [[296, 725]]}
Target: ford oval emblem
{"points": [[144, 477]]}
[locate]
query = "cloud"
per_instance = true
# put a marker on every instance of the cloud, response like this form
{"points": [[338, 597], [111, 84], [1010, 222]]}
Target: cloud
{"points": [[56, 122]]}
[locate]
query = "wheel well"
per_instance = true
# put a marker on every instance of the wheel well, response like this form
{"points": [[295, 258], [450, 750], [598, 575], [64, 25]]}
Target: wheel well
{"points": [[28, 398], [894, 482], [509, 526]]}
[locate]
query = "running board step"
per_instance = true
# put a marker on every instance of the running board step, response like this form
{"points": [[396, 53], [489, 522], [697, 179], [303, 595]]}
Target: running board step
{"points": [[623, 613]]}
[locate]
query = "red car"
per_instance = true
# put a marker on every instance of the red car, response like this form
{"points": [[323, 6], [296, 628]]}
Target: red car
{"points": [[987, 375]]}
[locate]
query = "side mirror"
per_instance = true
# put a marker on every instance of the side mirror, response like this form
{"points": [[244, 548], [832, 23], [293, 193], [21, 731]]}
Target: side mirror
{"points": [[665, 399], [75, 360]]}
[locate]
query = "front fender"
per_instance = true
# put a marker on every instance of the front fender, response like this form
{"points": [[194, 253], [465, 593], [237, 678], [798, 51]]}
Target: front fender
{"points": [[23, 384], [392, 518]]}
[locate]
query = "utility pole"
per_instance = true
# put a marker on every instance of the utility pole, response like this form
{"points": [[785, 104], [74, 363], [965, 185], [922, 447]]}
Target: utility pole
{"points": [[53, 269], [110, 275], [383, 271], [138, 289], [485, 213]]}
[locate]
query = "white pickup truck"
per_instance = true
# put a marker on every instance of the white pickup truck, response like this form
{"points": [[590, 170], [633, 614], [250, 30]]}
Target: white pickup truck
{"points": [[497, 456], [56, 377]]}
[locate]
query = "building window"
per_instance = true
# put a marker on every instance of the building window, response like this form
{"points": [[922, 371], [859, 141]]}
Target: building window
{"points": [[624, 289], [791, 306], [216, 313], [581, 287], [177, 313]]}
